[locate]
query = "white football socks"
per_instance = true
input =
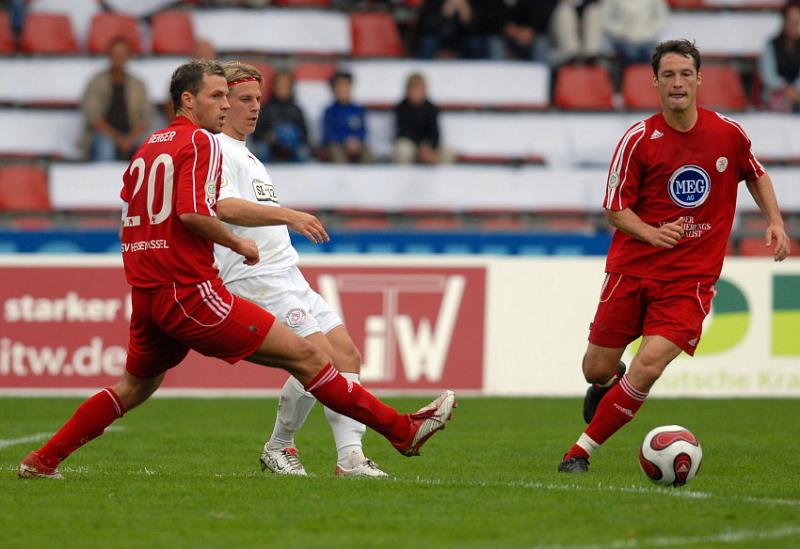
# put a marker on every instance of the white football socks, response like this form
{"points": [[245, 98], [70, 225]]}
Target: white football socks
{"points": [[293, 408], [347, 433]]}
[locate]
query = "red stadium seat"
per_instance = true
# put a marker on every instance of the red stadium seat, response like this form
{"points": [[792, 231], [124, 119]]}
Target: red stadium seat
{"points": [[24, 189], [7, 42], [49, 33], [173, 33], [687, 4], [375, 35], [755, 247], [266, 71], [638, 91], [584, 88], [303, 3], [107, 26], [314, 71], [721, 88]]}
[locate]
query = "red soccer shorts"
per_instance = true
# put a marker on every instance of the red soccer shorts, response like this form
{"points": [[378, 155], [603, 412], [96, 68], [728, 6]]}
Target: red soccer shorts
{"points": [[166, 323], [631, 306]]}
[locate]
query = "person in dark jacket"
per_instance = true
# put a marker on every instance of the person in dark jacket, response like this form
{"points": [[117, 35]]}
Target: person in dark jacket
{"points": [[779, 65], [281, 133], [344, 125], [417, 126], [464, 27]]}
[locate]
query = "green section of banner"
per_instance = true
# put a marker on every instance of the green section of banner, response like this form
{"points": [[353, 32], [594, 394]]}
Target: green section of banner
{"points": [[786, 293], [725, 332], [729, 298], [786, 333]]}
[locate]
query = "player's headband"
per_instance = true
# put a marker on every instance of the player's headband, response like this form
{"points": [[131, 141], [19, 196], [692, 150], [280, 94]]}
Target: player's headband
{"points": [[242, 81]]}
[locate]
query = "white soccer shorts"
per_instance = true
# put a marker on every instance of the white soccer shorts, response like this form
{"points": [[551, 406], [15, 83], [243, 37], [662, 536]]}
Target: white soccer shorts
{"points": [[288, 296]]}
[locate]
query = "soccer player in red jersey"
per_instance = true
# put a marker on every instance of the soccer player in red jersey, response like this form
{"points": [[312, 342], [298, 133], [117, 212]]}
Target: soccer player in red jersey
{"points": [[671, 195], [169, 228]]}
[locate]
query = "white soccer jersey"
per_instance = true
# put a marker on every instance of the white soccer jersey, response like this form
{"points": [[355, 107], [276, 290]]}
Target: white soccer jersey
{"points": [[244, 176]]}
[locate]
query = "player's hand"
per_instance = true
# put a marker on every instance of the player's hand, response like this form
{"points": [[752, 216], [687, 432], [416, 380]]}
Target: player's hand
{"points": [[249, 249], [777, 234], [308, 226], [668, 234]]}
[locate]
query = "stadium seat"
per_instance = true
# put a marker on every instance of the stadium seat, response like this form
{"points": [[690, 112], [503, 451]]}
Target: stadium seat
{"points": [[687, 4], [754, 246], [375, 35], [721, 88], [303, 3], [638, 92], [6, 36], [266, 71], [173, 33], [23, 188], [107, 26], [584, 88], [48, 33], [314, 71]]}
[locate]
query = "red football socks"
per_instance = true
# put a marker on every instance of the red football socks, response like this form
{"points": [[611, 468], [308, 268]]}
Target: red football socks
{"points": [[88, 422], [617, 408], [352, 400]]}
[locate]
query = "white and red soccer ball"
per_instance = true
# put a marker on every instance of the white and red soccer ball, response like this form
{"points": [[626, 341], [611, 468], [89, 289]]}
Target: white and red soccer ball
{"points": [[670, 454]]}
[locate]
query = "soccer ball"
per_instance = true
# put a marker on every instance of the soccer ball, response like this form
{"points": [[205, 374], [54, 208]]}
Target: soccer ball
{"points": [[670, 454]]}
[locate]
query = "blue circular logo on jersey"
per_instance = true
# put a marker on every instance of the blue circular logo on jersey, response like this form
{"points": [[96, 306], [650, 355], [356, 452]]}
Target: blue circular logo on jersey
{"points": [[689, 186]]}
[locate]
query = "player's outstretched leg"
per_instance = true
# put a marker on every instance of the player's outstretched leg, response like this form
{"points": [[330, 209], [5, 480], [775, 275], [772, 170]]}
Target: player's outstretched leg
{"points": [[280, 455], [407, 432], [597, 391], [621, 402], [347, 432], [87, 423]]}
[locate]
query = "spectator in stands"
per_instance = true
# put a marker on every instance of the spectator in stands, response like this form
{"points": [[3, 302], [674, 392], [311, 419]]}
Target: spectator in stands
{"points": [[281, 133], [344, 129], [577, 28], [633, 27], [779, 66], [527, 31], [417, 126], [117, 109], [460, 26]]}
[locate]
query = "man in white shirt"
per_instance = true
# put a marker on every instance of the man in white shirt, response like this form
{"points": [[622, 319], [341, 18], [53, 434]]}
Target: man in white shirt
{"points": [[248, 202]]}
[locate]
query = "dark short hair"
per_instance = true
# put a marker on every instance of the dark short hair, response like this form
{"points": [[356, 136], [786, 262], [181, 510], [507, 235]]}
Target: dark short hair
{"points": [[681, 47], [189, 77], [341, 75]]}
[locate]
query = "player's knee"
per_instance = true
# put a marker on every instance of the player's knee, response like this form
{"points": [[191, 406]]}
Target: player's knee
{"points": [[648, 368], [311, 357], [132, 391], [349, 360], [597, 371]]}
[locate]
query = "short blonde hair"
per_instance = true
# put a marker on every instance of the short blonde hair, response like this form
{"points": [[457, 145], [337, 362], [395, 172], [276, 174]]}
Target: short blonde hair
{"points": [[236, 70]]}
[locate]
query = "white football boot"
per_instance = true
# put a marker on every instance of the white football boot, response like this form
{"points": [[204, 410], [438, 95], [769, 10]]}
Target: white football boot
{"points": [[284, 461]]}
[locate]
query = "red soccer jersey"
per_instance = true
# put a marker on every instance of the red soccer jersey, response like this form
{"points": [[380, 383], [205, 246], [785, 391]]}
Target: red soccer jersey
{"points": [[176, 171], [662, 174]]}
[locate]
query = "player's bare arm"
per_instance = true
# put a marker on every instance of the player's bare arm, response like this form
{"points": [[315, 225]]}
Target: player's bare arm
{"points": [[764, 195], [212, 228], [244, 213], [664, 236]]}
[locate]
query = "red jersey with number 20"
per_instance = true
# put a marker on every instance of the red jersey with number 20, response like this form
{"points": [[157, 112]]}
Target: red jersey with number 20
{"points": [[177, 170], [662, 174]]}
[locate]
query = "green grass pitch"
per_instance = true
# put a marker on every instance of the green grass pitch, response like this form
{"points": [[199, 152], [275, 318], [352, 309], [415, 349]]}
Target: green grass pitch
{"points": [[184, 473]]}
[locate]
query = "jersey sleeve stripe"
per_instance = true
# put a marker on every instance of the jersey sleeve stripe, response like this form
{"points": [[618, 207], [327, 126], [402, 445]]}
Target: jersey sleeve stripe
{"points": [[735, 124], [622, 155], [625, 171], [213, 166]]}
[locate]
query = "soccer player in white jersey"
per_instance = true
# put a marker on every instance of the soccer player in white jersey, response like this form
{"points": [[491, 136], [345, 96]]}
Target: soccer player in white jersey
{"points": [[248, 202]]}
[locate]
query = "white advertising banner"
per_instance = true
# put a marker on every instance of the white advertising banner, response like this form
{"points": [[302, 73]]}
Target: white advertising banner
{"points": [[477, 324]]}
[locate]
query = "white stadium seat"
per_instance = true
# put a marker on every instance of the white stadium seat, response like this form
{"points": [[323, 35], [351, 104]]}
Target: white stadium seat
{"points": [[275, 30], [398, 188], [725, 34], [561, 140]]}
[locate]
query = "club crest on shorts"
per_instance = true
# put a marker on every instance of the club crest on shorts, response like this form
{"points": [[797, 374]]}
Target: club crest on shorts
{"points": [[722, 164], [295, 318], [689, 186]]}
